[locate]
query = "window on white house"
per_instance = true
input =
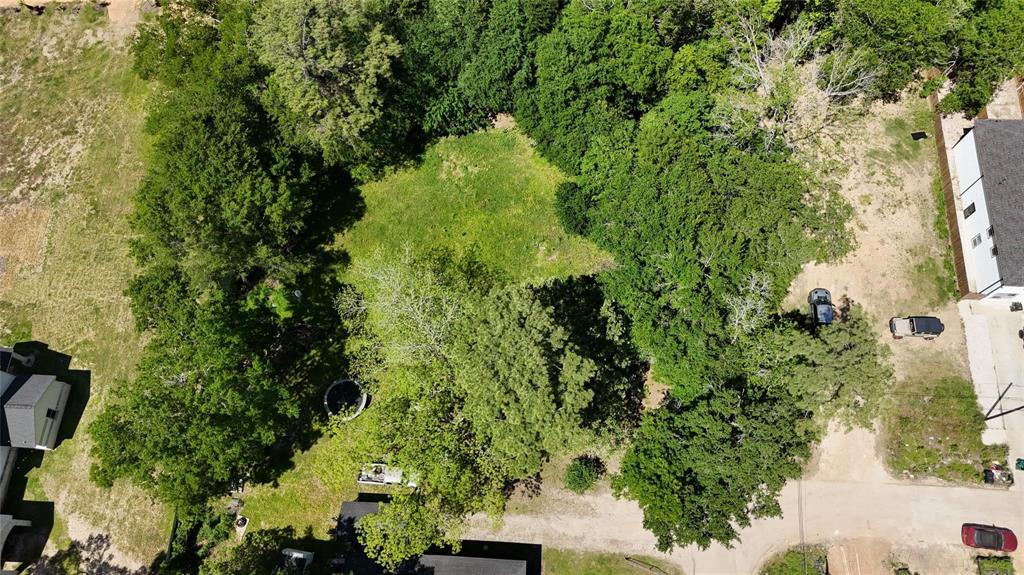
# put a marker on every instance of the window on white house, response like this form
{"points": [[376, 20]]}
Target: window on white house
{"points": [[969, 210], [976, 241], [994, 251], [991, 231], [51, 413]]}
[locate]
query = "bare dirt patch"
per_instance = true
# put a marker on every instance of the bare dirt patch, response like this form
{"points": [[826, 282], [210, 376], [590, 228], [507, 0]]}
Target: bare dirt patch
{"points": [[504, 122], [22, 239], [888, 181], [123, 15], [880, 557]]}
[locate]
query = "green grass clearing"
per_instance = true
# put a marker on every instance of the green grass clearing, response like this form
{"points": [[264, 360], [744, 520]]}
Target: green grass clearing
{"points": [[71, 129], [995, 566], [565, 562], [939, 271], [302, 498], [933, 429], [488, 193], [899, 146], [799, 560]]}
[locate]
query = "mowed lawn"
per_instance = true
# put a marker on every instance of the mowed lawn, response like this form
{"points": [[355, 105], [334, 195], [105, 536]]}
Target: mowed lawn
{"points": [[568, 562], [488, 194], [71, 147]]}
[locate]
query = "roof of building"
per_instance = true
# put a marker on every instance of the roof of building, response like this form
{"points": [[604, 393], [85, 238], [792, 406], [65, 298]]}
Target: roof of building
{"points": [[492, 558], [30, 392], [19, 418], [456, 565], [1000, 148]]}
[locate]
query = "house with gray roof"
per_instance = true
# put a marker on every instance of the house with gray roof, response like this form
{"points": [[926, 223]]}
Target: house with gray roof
{"points": [[989, 161], [473, 558], [32, 408]]}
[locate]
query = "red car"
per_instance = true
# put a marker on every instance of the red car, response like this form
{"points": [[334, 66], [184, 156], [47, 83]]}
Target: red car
{"points": [[988, 537]]}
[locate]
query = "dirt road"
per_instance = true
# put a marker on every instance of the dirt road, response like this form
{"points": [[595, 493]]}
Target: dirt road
{"points": [[866, 504], [123, 15]]}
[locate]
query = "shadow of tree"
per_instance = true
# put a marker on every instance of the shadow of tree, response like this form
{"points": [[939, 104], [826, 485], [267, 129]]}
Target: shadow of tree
{"points": [[601, 330], [91, 556]]}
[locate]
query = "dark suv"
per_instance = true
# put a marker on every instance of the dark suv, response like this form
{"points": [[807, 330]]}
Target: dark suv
{"points": [[916, 326], [820, 302]]}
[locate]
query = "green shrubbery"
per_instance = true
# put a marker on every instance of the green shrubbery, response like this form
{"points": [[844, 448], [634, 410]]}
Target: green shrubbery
{"points": [[800, 560], [935, 430], [583, 473], [995, 566]]}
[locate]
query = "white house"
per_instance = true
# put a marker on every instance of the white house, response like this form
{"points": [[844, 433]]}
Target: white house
{"points": [[990, 172]]}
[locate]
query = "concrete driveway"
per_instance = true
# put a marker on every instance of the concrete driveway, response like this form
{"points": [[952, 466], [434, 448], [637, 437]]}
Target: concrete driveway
{"points": [[847, 496], [995, 353]]}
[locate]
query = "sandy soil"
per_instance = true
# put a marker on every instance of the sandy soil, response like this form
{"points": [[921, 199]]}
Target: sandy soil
{"points": [[893, 225], [80, 530], [22, 239], [849, 502], [124, 15]]}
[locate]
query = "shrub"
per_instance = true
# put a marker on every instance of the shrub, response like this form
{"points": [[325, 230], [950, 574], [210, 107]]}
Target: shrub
{"points": [[796, 561], [995, 566], [583, 473]]}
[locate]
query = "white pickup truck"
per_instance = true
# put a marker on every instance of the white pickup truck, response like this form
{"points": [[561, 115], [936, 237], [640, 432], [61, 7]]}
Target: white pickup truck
{"points": [[916, 326]]}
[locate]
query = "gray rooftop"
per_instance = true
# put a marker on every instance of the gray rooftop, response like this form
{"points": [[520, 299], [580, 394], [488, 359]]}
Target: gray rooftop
{"points": [[1000, 147], [29, 394], [19, 417], [456, 565], [476, 558]]}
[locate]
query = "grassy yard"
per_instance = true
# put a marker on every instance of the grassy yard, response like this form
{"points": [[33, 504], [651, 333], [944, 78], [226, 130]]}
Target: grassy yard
{"points": [[935, 274], [799, 560], [933, 428], [70, 158], [900, 147], [488, 193], [564, 562], [302, 498]]}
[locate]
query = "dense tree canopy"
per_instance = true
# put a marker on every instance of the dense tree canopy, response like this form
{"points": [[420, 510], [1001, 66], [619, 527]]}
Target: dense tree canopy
{"points": [[333, 73], [666, 117], [199, 417], [691, 218], [700, 470], [904, 37], [228, 213], [990, 53], [597, 71], [475, 386]]}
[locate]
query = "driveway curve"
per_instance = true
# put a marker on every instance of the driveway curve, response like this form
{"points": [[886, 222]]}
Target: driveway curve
{"points": [[868, 505]]}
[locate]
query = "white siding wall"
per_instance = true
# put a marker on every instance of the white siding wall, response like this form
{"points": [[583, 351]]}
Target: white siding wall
{"points": [[49, 400], [982, 270]]}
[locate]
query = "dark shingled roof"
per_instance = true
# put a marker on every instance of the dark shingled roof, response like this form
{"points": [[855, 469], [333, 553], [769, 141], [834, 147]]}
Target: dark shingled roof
{"points": [[455, 565], [1000, 147], [476, 558]]}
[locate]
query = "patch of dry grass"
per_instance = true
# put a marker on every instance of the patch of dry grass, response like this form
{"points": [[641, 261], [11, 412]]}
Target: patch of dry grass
{"points": [[70, 148]]}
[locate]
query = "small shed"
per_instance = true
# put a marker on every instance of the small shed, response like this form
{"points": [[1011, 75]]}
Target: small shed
{"points": [[33, 409]]}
